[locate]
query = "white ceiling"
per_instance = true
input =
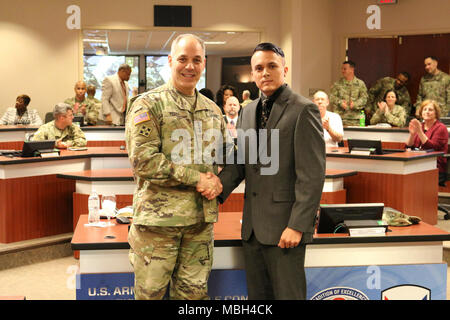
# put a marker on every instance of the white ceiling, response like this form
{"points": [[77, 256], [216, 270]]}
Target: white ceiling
{"points": [[158, 42]]}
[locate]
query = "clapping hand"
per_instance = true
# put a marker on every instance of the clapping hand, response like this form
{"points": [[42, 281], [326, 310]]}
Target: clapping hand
{"points": [[414, 126], [209, 185]]}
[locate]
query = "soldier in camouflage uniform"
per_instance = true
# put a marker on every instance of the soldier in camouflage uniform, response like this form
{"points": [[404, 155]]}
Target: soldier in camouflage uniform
{"points": [[348, 96], [389, 112], [171, 237], [62, 130], [81, 106], [435, 85], [383, 85]]}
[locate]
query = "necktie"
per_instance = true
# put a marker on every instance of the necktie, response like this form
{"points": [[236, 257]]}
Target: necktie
{"points": [[124, 90], [232, 123], [265, 112]]}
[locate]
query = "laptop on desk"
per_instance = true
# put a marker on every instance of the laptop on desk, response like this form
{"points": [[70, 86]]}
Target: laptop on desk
{"points": [[372, 146], [31, 149]]}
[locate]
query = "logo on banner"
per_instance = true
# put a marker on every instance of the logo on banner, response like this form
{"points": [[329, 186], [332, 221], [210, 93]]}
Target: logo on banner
{"points": [[406, 292], [340, 293]]}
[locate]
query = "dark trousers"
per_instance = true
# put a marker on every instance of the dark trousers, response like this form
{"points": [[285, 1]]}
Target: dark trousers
{"points": [[274, 273]]}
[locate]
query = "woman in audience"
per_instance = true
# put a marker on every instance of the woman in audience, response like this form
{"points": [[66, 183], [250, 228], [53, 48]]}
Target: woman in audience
{"points": [[389, 112], [430, 134], [20, 114], [223, 94]]}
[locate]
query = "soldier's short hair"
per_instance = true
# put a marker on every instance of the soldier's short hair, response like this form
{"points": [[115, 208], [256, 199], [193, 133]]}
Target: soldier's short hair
{"points": [[61, 108], [432, 58], [186, 35], [350, 63], [437, 108], [124, 66]]}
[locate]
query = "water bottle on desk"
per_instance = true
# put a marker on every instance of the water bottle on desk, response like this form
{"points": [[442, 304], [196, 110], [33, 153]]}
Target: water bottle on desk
{"points": [[94, 207], [362, 119]]}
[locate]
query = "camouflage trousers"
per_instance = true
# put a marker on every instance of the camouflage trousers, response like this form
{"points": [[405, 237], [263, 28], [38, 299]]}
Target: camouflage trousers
{"points": [[181, 256]]}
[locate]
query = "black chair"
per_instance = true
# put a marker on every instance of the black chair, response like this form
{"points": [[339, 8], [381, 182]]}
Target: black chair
{"points": [[445, 207], [48, 117]]}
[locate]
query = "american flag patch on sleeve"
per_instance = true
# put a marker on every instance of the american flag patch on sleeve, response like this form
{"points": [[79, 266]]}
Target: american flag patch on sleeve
{"points": [[142, 117]]}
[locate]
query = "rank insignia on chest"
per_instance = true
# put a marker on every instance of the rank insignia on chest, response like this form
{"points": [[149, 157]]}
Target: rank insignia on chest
{"points": [[142, 117], [145, 131]]}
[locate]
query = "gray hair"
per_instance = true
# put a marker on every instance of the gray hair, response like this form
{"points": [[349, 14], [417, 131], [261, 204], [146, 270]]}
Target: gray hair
{"points": [[246, 93], [186, 35], [61, 108], [124, 66]]}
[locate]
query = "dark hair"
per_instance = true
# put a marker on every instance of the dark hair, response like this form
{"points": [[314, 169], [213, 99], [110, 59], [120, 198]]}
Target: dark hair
{"points": [[386, 93], [432, 58], [207, 93], [350, 63], [219, 94], [26, 99], [406, 74], [267, 46]]}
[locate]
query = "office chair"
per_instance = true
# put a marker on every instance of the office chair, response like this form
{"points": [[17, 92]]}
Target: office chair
{"points": [[444, 207], [48, 117]]}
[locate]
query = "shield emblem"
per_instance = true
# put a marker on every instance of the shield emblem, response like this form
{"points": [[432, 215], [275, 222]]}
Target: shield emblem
{"points": [[406, 292]]}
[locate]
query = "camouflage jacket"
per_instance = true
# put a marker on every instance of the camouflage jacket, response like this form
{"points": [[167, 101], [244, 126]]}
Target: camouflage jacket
{"points": [[167, 170], [354, 90], [435, 87], [71, 134], [396, 118], [92, 110], [378, 90]]}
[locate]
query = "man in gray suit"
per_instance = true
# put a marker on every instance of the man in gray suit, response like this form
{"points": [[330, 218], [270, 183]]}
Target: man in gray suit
{"points": [[115, 96], [280, 205]]}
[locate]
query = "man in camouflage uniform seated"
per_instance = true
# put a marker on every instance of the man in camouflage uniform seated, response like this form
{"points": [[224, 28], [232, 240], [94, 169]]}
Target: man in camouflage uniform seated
{"points": [[348, 96], [82, 106], [435, 85], [171, 237], [61, 129]]}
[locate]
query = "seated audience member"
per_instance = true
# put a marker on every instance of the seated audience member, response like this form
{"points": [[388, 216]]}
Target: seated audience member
{"points": [[389, 112], [231, 109], [82, 106], [62, 130], [430, 134], [21, 114], [333, 130], [223, 94], [207, 93], [245, 98], [96, 102], [379, 89], [348, 95]]}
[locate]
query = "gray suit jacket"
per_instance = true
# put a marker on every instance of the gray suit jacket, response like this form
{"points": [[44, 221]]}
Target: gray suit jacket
{"points": [[112, 98], [290, 197]]}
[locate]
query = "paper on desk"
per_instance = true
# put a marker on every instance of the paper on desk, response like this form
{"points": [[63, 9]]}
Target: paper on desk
{"points": [[100, 224]]}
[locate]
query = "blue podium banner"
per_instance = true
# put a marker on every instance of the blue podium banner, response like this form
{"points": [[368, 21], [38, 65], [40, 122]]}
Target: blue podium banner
{"points": [[402, 282], [396, 282]]}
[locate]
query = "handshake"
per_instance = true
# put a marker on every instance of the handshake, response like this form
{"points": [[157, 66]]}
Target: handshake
{"points": [[209, 185]]}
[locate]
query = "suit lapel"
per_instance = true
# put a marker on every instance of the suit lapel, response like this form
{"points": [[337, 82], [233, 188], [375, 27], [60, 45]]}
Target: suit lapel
{"points": [[278, 108]]}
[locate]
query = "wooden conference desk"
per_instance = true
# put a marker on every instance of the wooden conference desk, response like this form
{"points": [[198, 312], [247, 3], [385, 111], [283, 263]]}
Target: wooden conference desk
{"points": [[392, 138], [12, 137], [406, 181], [34, 203], [404, 246], [121, 183]]}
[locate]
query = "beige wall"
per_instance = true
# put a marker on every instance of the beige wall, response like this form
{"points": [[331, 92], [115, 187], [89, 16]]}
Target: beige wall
{"points": [[42, 58], [406, 17]]}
